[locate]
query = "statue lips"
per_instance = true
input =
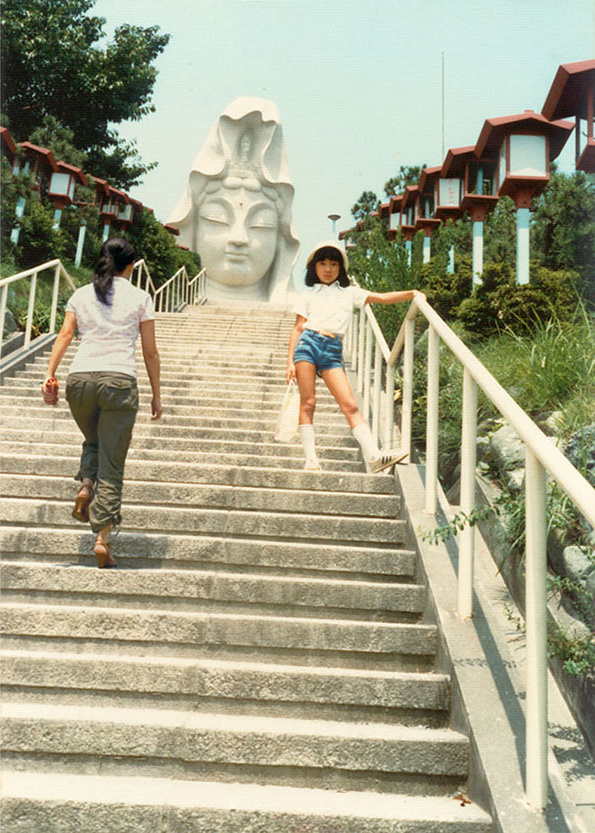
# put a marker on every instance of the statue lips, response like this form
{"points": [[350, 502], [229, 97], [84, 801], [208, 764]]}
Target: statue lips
{"points": [[237, 257]]}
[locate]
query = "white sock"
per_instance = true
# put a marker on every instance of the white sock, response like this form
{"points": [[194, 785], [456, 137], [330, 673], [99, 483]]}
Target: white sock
{"points": [[308, 441], [364, 437]]}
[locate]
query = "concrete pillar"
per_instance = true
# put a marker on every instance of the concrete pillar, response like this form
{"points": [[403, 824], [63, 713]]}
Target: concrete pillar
{"points": [[57, 218], [477, 252], [408, 245], [80, 243], [427, 249], [105, 232], [19, 211], [522, 245], [450, 268]]}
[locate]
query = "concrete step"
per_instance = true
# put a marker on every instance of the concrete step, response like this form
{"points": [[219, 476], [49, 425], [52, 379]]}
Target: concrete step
{"points": [[331, 431], [284, 457], [220, 445], [251, 391], [255, 688], [289, 752], [96, 804], [163, 632], [204, 495], [71, 546], [268, 525], [63, 430], [200, 472], [217, 591]]}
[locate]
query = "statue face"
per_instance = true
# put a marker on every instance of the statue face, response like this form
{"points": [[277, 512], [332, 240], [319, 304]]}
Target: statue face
{"points": [[237, 236]]}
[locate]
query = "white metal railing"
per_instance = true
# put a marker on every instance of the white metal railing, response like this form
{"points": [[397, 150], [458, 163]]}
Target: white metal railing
{"points": [[364, 345], [141, 277], [176, 293], [180, 290], [32, 275]]}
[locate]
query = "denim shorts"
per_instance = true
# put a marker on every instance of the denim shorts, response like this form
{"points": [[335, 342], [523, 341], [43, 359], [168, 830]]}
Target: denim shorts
{"points": [[321, 351]]}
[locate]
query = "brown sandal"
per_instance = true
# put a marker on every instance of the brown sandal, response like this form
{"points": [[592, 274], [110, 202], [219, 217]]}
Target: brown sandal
{"points": [[81, 507], [103, 554]]}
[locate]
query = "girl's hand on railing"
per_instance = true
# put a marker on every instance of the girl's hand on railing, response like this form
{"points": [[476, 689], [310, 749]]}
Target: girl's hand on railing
{"points": [[290, 374], [420, 295]]}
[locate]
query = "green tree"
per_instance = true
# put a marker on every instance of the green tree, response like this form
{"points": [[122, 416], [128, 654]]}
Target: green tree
{"points": [[60, 140], [407, 175], [157, 246], [563, 228], [52, 65], [367, 203]]}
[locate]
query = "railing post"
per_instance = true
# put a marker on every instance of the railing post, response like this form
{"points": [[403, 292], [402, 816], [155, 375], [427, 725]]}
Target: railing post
{"points": [[389, 407], [536, 622], [466, 536], [55, 292], [360, 351], [407, 392], [377, 391], [432, 422], [30, 309], [3, 305], [353, 341], [367, 369]]}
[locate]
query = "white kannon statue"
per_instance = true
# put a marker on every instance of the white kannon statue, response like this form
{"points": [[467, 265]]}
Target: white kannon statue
{"points": [[236, 212]]}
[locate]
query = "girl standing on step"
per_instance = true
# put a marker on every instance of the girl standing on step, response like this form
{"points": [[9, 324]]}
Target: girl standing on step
{"points": [[315, 347], [101, 388]]}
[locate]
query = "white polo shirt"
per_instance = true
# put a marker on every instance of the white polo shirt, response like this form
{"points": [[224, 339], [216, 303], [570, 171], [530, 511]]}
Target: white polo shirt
{"points": [[109, 333], [329, 307]]}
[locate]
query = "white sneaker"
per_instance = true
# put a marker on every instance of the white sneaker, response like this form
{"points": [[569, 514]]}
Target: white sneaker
{"points": [[312, 465], [387, 460]]}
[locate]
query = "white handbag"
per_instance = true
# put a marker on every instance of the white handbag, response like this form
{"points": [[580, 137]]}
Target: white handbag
{"points": [[287, 423]]}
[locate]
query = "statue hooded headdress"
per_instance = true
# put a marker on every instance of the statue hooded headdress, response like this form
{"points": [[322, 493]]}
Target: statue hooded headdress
{"points": [[244, 148]]}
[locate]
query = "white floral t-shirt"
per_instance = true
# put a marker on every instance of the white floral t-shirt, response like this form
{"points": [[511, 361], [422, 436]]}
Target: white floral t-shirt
{"points": [[109, 333]]}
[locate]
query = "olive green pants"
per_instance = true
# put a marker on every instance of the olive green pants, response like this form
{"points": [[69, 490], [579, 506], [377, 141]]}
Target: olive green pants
{"points": [[104, 407]]}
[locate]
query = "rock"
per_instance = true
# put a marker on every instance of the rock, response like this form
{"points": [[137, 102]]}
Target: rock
{"points": [[576, 564], [551, 423], [10, 325], [514, 480], [507, 449]]}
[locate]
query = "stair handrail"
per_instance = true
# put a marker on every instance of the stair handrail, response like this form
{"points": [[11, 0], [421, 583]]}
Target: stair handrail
{"points": [[179, 291], [140, 272], [32, 274], [542, 457], [197, 288]]}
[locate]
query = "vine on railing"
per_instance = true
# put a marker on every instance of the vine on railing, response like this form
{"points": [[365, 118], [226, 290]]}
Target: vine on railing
{"points": [[371, 360]]}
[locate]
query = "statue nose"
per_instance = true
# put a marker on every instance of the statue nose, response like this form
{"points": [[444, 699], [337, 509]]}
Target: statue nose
{"points": [[239, 234]]}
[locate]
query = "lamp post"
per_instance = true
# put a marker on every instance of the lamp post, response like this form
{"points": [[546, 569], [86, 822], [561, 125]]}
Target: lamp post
{"points": [[333, 218]]}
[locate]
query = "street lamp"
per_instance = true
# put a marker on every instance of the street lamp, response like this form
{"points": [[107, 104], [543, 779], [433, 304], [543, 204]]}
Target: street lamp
{"points": [[334, 218]]}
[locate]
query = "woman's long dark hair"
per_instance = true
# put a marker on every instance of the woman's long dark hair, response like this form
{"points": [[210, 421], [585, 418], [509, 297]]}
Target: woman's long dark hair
{"points": [[326, 253], [116, 254]]}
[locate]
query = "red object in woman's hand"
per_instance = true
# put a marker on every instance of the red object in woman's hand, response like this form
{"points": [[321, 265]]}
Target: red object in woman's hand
{"points": [[49, 390]]}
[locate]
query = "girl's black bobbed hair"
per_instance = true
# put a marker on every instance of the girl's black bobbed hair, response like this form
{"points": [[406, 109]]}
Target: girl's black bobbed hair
{"points": [[327, 250]]}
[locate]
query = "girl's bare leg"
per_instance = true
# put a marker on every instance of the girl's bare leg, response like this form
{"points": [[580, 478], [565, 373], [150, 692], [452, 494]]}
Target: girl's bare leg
{"points": [[305, 374], [306, 380], [337, 382]]}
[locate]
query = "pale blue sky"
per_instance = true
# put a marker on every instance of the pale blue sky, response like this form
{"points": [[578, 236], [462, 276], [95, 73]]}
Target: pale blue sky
{"points": [[357, 84]]}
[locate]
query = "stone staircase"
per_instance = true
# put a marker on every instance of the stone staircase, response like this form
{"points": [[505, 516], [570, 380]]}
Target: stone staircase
{"points": [[258, 663]]}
